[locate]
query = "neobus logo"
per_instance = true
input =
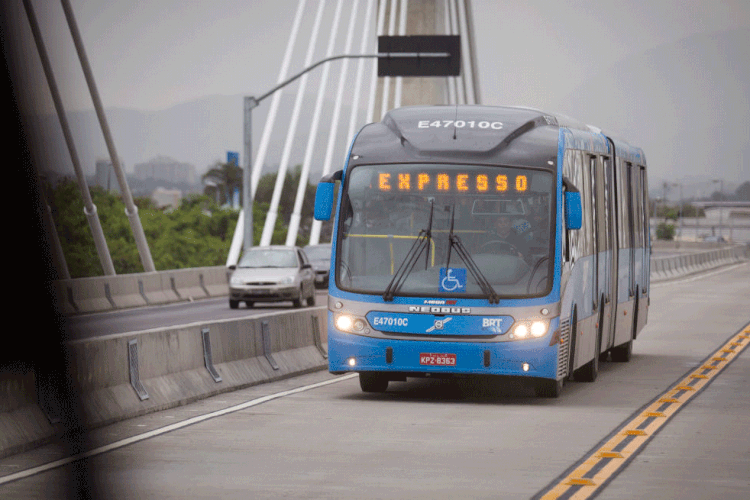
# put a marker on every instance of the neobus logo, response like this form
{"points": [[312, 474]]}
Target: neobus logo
{"points": [[440, 310]]}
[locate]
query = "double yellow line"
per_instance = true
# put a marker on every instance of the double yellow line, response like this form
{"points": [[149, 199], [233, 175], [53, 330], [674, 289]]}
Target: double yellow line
{"points": [[609, 459]]}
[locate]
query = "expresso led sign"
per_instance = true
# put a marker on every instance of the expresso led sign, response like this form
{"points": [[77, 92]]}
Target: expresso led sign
{"points": [[451, 183]]}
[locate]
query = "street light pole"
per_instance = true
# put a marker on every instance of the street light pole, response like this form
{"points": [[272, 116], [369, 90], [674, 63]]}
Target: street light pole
{"points": [[247, 194], [251, 103], [679, 212], [721, 209]]}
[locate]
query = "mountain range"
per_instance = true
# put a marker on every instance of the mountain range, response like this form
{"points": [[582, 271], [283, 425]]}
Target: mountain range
{"points": [[199, 132]]}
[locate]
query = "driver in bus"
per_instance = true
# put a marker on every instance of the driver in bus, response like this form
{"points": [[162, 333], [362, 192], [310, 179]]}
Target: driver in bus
{"points": [[505, 233]]}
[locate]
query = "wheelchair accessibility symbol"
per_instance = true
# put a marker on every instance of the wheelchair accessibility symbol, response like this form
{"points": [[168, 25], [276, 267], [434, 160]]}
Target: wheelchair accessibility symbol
{"points": [[452, 280]]}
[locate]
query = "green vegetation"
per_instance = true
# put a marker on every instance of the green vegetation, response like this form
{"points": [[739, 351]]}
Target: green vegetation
{"points": [[665, 231], [196, 234], [673, 211]]}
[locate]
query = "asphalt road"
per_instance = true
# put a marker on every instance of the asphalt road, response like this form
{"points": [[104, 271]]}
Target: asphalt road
{"points": [[429, 439], [146, 318]]}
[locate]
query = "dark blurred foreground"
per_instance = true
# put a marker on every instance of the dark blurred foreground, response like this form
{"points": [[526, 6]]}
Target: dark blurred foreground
{"points": [[33, 350]]}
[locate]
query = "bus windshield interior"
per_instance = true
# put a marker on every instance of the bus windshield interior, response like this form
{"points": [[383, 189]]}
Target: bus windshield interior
{"points": [[446, 231]]}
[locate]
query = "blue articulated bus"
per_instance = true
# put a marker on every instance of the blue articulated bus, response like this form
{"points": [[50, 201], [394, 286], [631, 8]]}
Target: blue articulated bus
{"points": [[479, 240]]}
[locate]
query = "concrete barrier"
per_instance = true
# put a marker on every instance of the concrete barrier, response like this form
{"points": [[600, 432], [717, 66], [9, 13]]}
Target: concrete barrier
{"points": [[127, 375], [151, 284], [185, 283], [63, 293], [23, 424], [107, 293], [215, 280], [666, 268], [90, 294], [126, 291]]}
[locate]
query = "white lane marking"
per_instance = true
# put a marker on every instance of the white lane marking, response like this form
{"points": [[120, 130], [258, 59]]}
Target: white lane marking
{"points": [[163, 430], [697, 277]]}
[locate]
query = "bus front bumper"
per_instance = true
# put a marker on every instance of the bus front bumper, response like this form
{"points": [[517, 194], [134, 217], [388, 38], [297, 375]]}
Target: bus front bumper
{"points": [[355, 353]]}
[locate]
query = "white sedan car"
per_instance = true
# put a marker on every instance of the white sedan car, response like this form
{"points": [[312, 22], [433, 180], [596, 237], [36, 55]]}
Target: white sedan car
{"points": [[272, 274]]}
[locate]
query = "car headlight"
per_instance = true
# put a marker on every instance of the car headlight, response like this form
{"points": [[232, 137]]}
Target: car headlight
{"points": [[286, 281], [530, 329], [236, 281]]}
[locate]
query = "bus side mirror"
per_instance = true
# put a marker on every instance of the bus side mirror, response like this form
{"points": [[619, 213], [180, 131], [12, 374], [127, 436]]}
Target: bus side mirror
{"points": [[573, 210], [324, 196]]}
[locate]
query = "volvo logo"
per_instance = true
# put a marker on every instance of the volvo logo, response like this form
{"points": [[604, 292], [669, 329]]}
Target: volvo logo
{"points": [[439, 324]]}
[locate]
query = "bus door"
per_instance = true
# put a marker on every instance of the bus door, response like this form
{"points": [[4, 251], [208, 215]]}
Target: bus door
{"points": [[606, 234], [646, 240], [621, 250], [645, 249], [594, 222], [631, 203]]}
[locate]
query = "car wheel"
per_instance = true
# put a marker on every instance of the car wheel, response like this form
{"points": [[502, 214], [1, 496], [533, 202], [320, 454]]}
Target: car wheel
{"points": [[249, 303], [298, 301], [234, 304], [311, 298]]}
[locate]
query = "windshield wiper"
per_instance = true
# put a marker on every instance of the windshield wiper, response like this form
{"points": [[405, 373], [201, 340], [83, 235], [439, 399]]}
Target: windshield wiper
{"points": [[412, 256], [484, 284]]}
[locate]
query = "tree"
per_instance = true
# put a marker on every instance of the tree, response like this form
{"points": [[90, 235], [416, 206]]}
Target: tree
{"points": [[264, 193], [197, 234], [221, 180], [665, 231], [743, 192]]}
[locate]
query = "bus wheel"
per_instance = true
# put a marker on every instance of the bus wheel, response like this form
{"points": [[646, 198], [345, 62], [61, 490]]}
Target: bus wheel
{"points": [[603, 356], [589, 371], [546, 388], [622, 353], [373, 382]]}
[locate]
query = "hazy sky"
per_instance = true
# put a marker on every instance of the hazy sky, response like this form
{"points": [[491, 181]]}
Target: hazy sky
{"points": [[151, 55]]}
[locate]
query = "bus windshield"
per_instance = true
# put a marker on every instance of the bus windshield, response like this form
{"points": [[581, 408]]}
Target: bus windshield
{"points": [[446, 231]]}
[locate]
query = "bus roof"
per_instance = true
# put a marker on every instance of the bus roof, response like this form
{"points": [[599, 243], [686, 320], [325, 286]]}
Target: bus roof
{"points": [[476, 134]]}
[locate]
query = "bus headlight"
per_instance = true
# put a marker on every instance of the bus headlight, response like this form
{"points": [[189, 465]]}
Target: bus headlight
{"points": [[539, 328], [528, 329], [344, 322], [521, 331], [349, 323]]}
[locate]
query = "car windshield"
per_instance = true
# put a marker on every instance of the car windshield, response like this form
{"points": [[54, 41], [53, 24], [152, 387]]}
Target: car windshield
{"points": [[446, 230], [318, 252], [264, 257]]}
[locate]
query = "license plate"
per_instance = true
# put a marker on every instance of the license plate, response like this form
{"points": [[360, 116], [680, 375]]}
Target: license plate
{"points": [[260, 291], [435, 359]]}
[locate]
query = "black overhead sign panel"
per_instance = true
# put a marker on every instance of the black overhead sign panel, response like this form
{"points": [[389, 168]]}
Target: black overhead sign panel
{"points": [[420, 55]]}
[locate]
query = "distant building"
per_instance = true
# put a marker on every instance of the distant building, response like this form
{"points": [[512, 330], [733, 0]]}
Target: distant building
{"points": [[166, 197], [104, 175], [166, 169]]}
